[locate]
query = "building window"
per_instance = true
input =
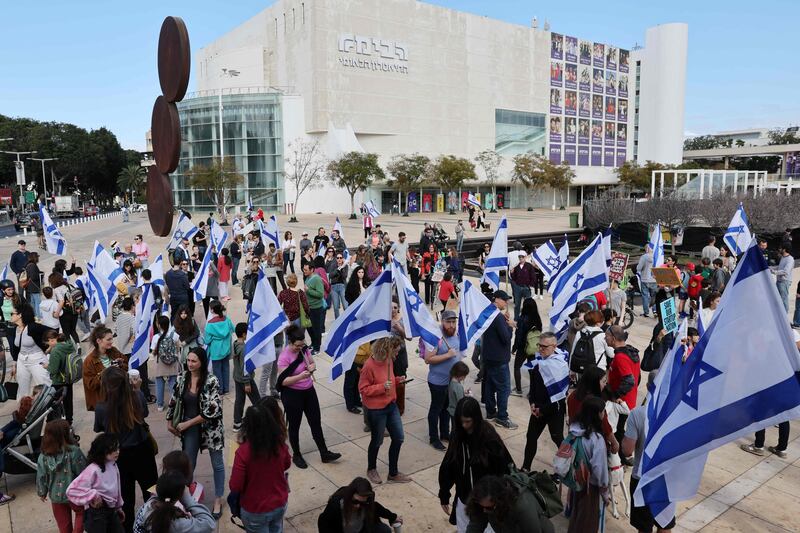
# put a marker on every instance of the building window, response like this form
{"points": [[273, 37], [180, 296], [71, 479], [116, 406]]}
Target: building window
{"points": [[519, 132]]}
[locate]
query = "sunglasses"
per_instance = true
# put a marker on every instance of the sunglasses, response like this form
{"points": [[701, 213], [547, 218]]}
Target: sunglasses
{"points": [[184, 263], [359, 503], [339, 257], [546, 345]]}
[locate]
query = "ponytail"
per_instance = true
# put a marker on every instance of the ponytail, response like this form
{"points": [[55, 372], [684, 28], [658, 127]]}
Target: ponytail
{"points": [[163, 512]]}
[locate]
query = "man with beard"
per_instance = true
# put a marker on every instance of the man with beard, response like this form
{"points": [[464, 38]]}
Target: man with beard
{"points": [[440, 361]]}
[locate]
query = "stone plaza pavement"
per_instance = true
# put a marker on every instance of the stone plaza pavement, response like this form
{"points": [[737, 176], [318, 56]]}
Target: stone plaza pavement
{"points": [[739, 491]]}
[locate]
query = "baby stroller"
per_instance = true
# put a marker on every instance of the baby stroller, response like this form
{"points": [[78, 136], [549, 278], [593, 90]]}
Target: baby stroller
{"points": [[22, 451]]}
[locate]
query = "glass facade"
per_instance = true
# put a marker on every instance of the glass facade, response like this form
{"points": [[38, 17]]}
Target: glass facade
{"points": [[518, 132], [252, 135]]}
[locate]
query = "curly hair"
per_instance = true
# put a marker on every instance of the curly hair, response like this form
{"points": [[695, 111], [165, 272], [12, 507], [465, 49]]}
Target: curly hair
{"points": [[262, 431], [497, 489]]}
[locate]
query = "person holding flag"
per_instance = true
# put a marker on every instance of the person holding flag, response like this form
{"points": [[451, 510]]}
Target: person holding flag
{"points": [[497, 259], [738, 236], [184, 230], [54, 241], [647, 283], [496, 355]]}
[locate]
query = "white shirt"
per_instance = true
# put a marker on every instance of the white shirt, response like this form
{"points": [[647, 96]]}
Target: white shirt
{"points": [[287, 245], [48, 307]]}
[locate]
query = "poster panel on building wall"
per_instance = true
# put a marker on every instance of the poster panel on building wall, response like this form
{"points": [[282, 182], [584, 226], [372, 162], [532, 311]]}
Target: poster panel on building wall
{"points": [[622, 110], [464, 196], [622, 85], [598, 55], [571, 49], [621, 156], [570, 76], [598, 81], [611, 108], [585, 52], [412, 203], [556, 73], [622, 134], [611, 82], [478, 197], [611, 57], [610, 133], [570, 103], [597, 132], [584, 105], [597, 156], [556, 46], [585, 78], [583, 156], [555, 154], [597, 106], [792, 164], [569, 154], [452, 200], [608, 156], [555, 129], [427, 202], [440, 203], [555, 101], [583, 131], [624, 58], [570, 130]]}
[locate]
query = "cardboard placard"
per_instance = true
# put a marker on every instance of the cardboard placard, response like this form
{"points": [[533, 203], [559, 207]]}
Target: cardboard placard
{"points": [[619, 262], [666, 277], [669, 315]]}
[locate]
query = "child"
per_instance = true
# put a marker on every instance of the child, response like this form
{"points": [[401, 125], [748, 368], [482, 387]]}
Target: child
{"points": [[178, 460], [60, 462], [446, 289], [692, 338], [172, 508], [455, 390], [165, 353], [60, 347], [50, 309], [97, 489], [245, 384]]}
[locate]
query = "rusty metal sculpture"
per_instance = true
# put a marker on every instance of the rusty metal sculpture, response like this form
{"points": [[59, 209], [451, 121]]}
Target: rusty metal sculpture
{"points": [[174, 62]]}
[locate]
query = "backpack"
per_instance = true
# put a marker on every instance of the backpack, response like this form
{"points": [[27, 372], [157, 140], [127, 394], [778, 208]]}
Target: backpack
{"points": [[695, 285], [572, 464], [542, 486], [165, 350], [73, 371], [532, 342], [24, 280], [74, 299], [582, 356]]}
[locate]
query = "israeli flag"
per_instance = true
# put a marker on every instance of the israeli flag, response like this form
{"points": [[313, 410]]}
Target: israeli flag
{"points": [[472, 200], [156, 269], [322, 250], [701, 327], [497, 260], [368, 318], [737, 236], [184, 230], [55, 241], [606, 236], [563, 261], [4, 274], [103, 274], [266, 319], [547, 259], [249, 203], [584, 276], [218, 236], [657, 245], [417, 318], [741, 377], [145, 312], [270, 229], [475, 315], [337, 226], [371, 209], [554, 371], [200, 282]]}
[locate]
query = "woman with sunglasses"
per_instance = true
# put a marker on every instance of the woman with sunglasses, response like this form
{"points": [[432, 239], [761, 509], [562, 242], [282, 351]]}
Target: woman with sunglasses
{"points": [[141, 250], [353, 509], [288, 247]]}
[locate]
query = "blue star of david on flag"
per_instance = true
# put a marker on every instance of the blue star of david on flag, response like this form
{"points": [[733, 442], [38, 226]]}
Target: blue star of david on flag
{"points": [[702, 373]]}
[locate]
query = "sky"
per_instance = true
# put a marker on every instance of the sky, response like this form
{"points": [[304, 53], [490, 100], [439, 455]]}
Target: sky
{"points": [[93, 63]]}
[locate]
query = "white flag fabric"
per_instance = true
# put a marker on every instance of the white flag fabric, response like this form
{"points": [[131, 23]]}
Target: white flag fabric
{"points": [[156, 269], [145, 312], [701, 326], [270, 232], [200, 281], [472, 200], [4, 274], [584, 276], [606, 237], [373, 211], [103, 274], [741, 377], [337, 226], [563, 261], [417, 318], [249, 203], [547, 259], [217, 236], [55, 241], [184, 230], [475, 315], [737, 236], [497, 260], [554, 371], [657, 245], [322, 250], [368, 318], [266, 319]]}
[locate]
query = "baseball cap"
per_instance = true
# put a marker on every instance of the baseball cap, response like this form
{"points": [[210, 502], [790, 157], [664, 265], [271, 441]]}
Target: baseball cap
{"points": [[501, 294], [304, 233], [449, 314]]}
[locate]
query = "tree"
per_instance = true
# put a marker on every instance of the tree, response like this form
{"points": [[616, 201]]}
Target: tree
{"points": [[781, 136], [702, 142], [673, 211], [608, 210], [490, 162], [219, 180], [407, 172], [450, 173], [355, 171], [131, 178], [559, 177], [305, 168], [638, 177], [529, 170]]}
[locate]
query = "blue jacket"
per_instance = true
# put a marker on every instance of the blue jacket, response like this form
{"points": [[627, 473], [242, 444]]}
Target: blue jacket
{"points": [[218, 339], [18, 261], [496, 342]]}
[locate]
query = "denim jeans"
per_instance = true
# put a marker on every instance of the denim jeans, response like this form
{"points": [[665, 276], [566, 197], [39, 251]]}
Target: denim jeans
{"points": [[288, 262], [35, 298], [191, 445], [222, 369], [438, 417], [160, 381], [268, 378], [520, 293], [317, 326], [649, 289], [498, 387], [459, 242], [379, 419], [234, 270], [337, 298], [783, 290], [796, 319], [269, 522]]}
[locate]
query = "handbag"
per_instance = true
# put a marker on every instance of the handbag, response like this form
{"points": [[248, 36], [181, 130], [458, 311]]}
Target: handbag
{"points": [[305, 322], [288, 371], [235, 507], [12, 389]]}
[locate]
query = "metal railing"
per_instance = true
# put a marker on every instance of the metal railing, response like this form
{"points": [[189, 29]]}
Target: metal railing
{"points": [[231, 91]]}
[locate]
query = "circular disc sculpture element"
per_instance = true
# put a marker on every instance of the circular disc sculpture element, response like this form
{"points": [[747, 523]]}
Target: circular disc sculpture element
{"points": [[174, 64]]}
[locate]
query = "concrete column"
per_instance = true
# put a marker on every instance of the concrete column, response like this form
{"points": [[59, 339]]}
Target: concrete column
{"points": [[702, 184]]}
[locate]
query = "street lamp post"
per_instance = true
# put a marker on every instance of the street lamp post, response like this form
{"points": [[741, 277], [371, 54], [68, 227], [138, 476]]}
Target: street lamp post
{"points": [[44, 177], [21, 185]]}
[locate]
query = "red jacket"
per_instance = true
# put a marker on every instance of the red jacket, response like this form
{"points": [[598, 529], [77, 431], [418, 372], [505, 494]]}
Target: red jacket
{"points": [[261, 481], [624, 374]]}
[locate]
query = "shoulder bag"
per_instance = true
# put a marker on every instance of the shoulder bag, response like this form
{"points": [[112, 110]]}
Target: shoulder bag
{"points": [[305, 322]]}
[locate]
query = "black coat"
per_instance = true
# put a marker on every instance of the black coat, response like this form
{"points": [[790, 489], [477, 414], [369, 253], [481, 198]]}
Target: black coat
{"points": [[330, 521]]}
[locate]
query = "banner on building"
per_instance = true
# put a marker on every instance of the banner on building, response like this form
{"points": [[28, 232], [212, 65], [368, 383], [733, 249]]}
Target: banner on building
{"points": [[611, 108], [427, 202], [556, 46], [597, 156], [624, 57], [571, 76], [412, 203], [571, 49], [555, 101], [555, 154], [570, 130], [611, 58], [585, 51], [611, 82], [556, 73], [598, 57], [569, 154], [583, 131], [583, 156], [555, 129], [608, 156]]}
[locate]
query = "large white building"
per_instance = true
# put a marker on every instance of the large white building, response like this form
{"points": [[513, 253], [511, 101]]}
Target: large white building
{"points": [[402, 76]]}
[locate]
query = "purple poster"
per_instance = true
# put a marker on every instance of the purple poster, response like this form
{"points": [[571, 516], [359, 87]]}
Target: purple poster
{"points": [[610, 133], [585, 50], [585, 82], [583, 156], [584, 105], [624, 57], [611, 108], [622, 135], [611, 58], [597, 156], [597, 132], [792, 164], [620, 158], [555, 129], [622, 85], [598, 55], [583, 131], [570, 130], [570, 76], [555, 154], [611, 82], [570, 103], [413, 206], [556, 73], [597, 80], [622, 110], [555, 101], [608, 156], [569, 154], [556, 46], [597, 106], [571, 49]]}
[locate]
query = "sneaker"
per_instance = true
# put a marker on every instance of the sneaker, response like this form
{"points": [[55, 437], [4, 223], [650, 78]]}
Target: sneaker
{"points": [[374, 477], [237, 426], [437, 445], [160, 408], [776, 451], [355, 410], [508, 424], [399, 478], [329, 456], [299, 462], [516, 393], [366, 429], [491, 416], [749, 448]]}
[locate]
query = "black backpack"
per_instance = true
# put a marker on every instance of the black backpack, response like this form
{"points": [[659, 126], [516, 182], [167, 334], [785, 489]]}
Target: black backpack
{"points": [[582, 356]]}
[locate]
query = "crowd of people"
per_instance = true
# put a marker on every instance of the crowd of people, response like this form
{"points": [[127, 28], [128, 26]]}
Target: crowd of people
{"points": [[47, 317]]}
